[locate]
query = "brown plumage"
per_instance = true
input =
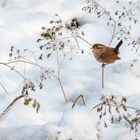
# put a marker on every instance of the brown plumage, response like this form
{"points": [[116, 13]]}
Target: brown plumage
{"points": [[105, 54]]}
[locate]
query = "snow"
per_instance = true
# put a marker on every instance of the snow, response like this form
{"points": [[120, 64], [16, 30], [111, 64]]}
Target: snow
{"points": [[20, 25]]}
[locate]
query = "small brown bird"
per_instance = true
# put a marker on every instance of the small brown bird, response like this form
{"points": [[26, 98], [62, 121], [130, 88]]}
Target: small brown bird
{"points": [[106, 55]]}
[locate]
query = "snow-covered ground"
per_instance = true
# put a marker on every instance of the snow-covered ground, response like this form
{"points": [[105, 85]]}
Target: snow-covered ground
{"points": [[20, 25]]}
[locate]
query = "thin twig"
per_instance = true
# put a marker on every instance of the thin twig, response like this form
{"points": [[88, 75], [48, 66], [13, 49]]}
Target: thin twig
{"points": [[103, 68], [74, 35], [34, 57], [76, 40], [128, 121], [84, 40], [96, 106], [25, 69], [10, 105], [3, 87], [82, 97], [102, 103], [61, 85], [58, 64], [5, 64], [113, 34], [58, 75], [110, 17]]}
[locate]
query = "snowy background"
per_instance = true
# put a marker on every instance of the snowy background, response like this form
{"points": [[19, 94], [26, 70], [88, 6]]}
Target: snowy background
{"points": [[20, 25]]}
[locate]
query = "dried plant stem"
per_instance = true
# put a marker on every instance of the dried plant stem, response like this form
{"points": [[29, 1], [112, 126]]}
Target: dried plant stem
{"points": [[59, 64], [18, 97], [6, 64], [3, 87], [61, 85], [110, 17], [113, 34], [10, 105], [115, 105], [84, 40], [97, 106], [75, 36], [103, 69], [80, 96], [36, 64], [128, 121]]}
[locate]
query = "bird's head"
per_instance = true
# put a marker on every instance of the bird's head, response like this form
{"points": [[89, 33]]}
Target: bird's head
{"points": [[97, 47]]}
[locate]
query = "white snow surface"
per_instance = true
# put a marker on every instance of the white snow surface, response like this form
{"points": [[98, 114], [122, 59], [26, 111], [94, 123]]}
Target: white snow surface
{"points": [[20, 25]]}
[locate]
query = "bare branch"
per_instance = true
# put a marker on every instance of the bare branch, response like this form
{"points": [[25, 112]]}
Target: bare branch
{"points": [[3, 87], [10, 105]]}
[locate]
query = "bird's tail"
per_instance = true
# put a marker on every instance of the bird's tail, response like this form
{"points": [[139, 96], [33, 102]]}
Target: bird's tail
{"points": [[118, 46]]}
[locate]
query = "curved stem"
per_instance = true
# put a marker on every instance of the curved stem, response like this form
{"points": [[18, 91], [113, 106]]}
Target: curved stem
{"points": [[6, 64], [3, 88], [10, 105], [82, 97]]}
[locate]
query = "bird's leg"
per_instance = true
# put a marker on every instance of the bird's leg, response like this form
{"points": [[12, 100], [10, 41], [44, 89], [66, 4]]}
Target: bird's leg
{"points": [[103, 67]]}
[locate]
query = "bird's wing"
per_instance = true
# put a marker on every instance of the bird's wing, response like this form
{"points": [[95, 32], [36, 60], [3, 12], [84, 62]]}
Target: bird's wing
{"points": [[109, 57]]}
